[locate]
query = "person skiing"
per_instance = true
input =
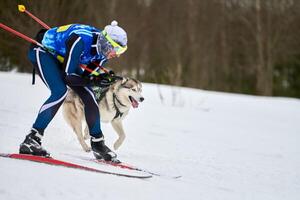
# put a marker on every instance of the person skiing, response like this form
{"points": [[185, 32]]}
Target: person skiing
{"points": [[60, 64]]}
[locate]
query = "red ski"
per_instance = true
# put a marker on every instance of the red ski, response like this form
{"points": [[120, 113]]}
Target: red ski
{"points": [[123, 166], [52, 161], [130, 167]]}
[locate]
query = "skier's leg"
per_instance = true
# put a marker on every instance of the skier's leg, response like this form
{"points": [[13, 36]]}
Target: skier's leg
{"points": [[92, 115], [91, 110], [48, 69]]}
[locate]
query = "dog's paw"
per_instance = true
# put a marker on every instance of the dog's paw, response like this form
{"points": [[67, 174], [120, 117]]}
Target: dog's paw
{"points": [[87, 149]]}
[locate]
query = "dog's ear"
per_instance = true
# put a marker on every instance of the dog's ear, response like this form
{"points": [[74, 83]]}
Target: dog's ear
{"points": [[117, 84], [124, 80]]}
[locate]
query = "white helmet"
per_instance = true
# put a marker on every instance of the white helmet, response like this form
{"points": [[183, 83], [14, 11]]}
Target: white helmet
{"points": [[112, 38], [116, 33]]}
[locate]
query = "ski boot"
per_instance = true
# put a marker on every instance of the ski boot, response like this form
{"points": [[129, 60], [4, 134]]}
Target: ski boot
{"points": [[32, 144], [101, 151]]}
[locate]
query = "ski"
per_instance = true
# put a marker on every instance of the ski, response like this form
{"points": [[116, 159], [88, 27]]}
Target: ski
{"points": [[55, 162], [130, 167], [123, 166]]}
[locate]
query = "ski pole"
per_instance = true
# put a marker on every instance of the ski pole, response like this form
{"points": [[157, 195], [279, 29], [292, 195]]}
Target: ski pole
{"points": [[21, 35], [22, 8]]}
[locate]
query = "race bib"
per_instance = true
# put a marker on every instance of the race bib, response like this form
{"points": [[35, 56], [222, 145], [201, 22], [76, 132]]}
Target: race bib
{"points": [[63, 28]]}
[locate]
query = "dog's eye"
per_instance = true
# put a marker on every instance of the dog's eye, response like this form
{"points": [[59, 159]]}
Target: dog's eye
{"points": [[133, 89]]}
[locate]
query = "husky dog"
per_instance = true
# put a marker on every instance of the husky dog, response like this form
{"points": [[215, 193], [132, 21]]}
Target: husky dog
{"points": [[114, 104]]}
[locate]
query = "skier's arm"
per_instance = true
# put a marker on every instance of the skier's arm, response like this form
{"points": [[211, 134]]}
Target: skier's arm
{"points": [[74, 77], [74, 48], [77, 80]]}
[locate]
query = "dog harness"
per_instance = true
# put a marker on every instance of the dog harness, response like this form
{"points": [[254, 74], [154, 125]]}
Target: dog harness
{"points": [[100, 94]]}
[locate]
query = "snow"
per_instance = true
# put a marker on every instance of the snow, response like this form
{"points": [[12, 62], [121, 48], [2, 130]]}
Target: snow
{"points": [[225, 146]]}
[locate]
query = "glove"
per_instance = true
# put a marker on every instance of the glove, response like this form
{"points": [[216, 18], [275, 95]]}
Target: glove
{"points": [[103, 80], [111, 72]]}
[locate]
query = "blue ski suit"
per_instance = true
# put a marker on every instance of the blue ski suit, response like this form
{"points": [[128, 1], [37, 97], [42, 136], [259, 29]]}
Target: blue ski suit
{"points": [[77, 44]]}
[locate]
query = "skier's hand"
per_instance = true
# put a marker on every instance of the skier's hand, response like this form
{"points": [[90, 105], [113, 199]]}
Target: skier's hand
{"points": [[103, 80], [111, 72]]}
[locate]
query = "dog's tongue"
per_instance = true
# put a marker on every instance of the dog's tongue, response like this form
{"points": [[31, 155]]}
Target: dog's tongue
{"points": [[134, 103]]}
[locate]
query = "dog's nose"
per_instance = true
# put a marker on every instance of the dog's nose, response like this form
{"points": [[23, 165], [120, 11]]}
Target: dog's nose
{"points": [[142, 99]]}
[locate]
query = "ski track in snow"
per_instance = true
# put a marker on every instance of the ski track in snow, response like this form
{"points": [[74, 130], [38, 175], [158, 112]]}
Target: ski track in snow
{"points": [[225, 146]]}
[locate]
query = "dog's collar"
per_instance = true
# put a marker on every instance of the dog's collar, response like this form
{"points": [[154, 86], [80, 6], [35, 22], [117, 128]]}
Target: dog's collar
{"points": [[115, 98], [100, 94], [118, 112]]}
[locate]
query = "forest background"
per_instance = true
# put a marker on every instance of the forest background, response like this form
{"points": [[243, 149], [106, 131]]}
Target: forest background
{"points": [[240, 46]]}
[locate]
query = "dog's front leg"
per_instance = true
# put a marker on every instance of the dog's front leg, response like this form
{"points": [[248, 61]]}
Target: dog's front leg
{"points": [[86, 132], [78, 130], [82, 142], [118, 127]]}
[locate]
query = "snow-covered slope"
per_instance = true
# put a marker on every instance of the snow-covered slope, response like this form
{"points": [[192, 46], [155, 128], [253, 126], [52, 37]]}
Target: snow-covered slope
{"points": [[225, 146]]}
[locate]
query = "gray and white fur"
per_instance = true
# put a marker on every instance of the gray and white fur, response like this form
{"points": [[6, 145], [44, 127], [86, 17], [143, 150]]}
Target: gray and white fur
{"points": [[114, 105]]}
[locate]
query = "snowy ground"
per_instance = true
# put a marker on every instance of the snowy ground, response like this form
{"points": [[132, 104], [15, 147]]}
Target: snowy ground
{"points": [[225, 146]]}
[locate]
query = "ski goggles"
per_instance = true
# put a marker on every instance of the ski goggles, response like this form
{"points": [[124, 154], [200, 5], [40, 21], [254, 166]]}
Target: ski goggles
{"points": [[105, 45]]}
